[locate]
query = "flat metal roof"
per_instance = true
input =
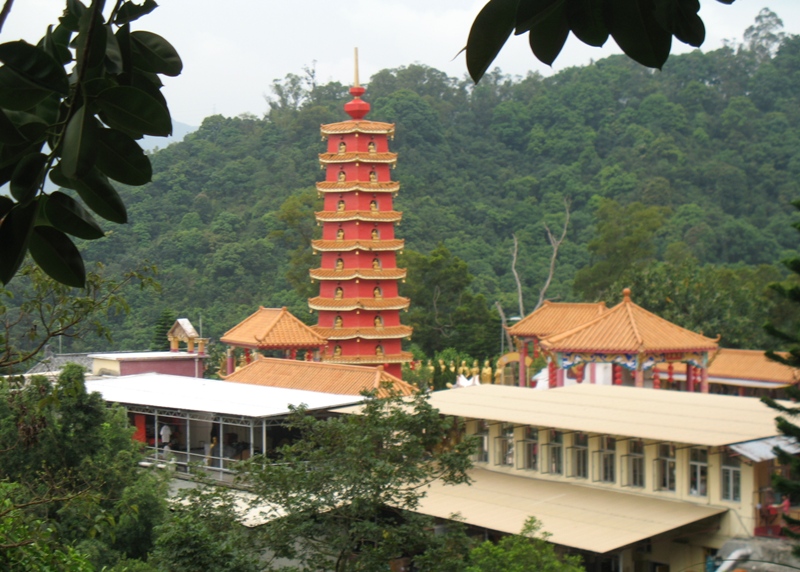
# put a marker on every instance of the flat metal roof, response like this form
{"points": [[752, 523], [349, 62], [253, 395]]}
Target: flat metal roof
{"points": [[663, 415], [145, 356], [212, 396], [587, 518]]}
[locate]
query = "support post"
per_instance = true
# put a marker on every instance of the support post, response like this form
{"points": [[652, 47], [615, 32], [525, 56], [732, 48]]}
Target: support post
{"points": [[229, 361], [704, 380], [638, 379], [523, 354], [671, 374], [552, 373], [689, 378]]}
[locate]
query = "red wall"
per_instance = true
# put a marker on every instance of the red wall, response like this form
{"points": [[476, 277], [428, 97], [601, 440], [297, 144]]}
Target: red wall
{"points": [[183, 367]]}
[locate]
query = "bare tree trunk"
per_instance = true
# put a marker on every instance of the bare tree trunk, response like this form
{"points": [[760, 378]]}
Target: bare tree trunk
{"points": [[556, 244], [516, 276], [504, 323]]}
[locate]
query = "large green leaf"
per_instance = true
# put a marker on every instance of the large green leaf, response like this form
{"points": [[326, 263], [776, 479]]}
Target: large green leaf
{"points": [[96, 191], [67, 215], [121, 159], [153, 53], [548, 35], [533, 12], [488, 34], [90, 43], [71, 17], [27, 177], [5, 176], [133, 110], [18, 93], [680, 18], [6, 204], [585, 19], [15, 232], [129, 11], [9, 134], [114, 64], [56, 43], [79, 148], [55, 253], [633, 25], [35, 65]]}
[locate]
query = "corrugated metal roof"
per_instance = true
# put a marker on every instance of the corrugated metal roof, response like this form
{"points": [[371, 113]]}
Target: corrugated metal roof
{"points": [[628, 329], [762, 450], [555, 317], [209, 395], [272, 328], [676, 416], [314, 376], [750, 365], [587, 518]]}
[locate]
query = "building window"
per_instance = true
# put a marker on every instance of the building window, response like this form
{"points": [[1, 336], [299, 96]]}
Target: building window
{"points": [[504, 449], [482, 455], [698, 472], [608, 459], [731, 478], [555, 459], [530, 449], [665, 468], [580, 455], [636, 463]]}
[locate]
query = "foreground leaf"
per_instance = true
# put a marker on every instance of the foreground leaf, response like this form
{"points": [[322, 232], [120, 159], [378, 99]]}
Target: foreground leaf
{"points": [[489, 33], [15, 233], [96, 191], [67, 215], [79, 146], [155, 54], [27, 177], [121, 159], [55, 253], [131, 109]]}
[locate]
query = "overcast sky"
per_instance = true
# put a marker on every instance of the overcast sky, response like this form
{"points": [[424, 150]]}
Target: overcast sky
{"points": [[233, 50]]}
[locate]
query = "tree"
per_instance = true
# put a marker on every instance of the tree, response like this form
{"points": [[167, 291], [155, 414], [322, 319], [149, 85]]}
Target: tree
{"points": [[166, 320], [89, 120], [349, 484], [523, 552], [643, 29]]}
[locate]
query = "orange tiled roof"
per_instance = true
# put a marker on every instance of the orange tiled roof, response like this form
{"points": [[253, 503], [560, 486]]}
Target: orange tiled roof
{"points": [[320, 303], [365, 273], [750, 364], [628, 329], [367, 216], [316, 376], [402, 357], [555, 317], [272, 328], [357, 157], [366, 244], [366, 186], [358, 126], [385, 333]]}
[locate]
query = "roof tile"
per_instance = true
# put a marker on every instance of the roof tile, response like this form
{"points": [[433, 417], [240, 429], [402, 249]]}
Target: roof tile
{"points": [[272, 328]]}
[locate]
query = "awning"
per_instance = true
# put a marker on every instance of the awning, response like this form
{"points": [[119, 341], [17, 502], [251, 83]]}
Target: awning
{"points": [[761, 450], [583, 517]]}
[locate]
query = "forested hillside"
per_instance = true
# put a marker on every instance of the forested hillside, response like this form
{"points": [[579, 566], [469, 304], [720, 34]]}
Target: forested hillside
{"points": [[694, 166]]}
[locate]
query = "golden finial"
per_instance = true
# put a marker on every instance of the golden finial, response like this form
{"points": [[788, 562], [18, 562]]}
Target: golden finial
{"points": [[356, 84]]}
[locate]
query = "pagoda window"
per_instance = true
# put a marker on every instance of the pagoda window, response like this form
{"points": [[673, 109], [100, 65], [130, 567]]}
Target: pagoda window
{"points": [[340, 206], [342, 147], [698, 472], [342, 176], [373, 176], [371, 147], [376, 234], [339, 294], [377, 293], [378, 322], [340, 234], [338, 322], [339, 264], [373, 206], [379, 350], [376, 263], [337, 351]]}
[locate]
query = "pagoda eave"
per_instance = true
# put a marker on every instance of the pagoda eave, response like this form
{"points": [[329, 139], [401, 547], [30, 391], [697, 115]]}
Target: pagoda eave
{"points": [[402, 357], [364, 186], [345, 304], [337, 158], [364, 274], [385, 333], [630, 351], [363, 216], [350, 245], [367, 127]]}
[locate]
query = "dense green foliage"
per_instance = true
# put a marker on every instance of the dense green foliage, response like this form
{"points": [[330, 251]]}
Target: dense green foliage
{"points": [[709, 147]]}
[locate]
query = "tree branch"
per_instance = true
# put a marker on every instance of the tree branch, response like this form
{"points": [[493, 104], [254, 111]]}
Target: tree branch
{"points": [[503, 321], [556, 244], [5, 12], [516, 275]]}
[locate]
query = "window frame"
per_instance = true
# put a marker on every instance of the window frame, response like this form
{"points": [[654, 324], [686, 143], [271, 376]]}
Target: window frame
{"points": [[665, 466], [731, 477], [698, 473], [530, 449]]}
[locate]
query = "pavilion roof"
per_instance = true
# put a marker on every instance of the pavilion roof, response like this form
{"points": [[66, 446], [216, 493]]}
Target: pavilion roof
{"points": [[272, 328], [628, 329], [319, 376], [750, 365], [556, 317]]}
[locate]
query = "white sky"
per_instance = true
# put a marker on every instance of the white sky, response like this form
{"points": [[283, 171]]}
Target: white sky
{"points": [[232, 50]]}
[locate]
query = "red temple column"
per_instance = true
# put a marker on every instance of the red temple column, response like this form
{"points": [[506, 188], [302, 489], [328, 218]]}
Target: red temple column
{"points": [[579, 373], [704, 380], [689, 377], [552, 373], [535, 348], [523, 354], [638, 377], [671, 374]]}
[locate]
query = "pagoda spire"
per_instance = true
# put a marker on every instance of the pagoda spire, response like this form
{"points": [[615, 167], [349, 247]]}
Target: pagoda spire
{"points": [[357, 108]]}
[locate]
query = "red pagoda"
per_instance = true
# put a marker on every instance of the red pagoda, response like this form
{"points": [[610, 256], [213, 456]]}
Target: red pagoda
{"points": [[358, 303]]}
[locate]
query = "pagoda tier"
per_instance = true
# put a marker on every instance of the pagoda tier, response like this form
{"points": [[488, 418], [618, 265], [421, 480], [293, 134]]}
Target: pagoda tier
{"points": [[362, 216], [358, 303], [363, 186]]}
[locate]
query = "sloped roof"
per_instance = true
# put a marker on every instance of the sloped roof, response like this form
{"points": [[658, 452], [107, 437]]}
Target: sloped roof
{"points": [[751, 365], [183, 330], [366, 273], [365, 244], [384, 333], [357, 126], [555, 317], [272, 328], [366, 186], [322, 303], [367, 216], [628, 329], [316, 376]]}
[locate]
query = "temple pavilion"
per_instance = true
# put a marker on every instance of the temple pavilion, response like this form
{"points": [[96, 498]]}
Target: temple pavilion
{"points": [[358, 304]]}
